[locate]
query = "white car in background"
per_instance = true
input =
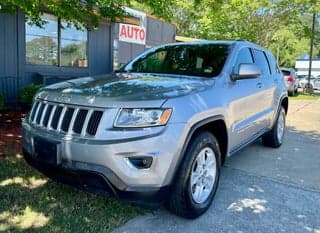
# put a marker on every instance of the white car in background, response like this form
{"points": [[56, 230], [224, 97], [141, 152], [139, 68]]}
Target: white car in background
{"points": [[315, 84], [303, 82]]}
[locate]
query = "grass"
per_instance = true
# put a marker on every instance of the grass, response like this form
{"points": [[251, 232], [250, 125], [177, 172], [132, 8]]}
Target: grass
{"points": [[305, 96], [29, 202]]}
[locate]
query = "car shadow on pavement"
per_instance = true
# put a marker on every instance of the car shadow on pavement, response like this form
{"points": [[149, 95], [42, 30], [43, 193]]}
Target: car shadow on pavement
{"points": [[243, 203], [296, 162], [261, 190]]}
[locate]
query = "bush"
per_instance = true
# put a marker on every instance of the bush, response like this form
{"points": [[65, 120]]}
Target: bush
{"points": [[1, 101], [27, 93]]}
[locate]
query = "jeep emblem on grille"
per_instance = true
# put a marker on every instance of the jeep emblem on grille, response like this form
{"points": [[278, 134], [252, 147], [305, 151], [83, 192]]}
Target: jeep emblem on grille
{"points": [[63, 98]]}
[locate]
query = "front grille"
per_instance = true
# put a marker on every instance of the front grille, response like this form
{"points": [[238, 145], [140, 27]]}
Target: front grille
{"points": [[94, 122], [47, 115], [56, 117], [81, 117], [66, 118]]}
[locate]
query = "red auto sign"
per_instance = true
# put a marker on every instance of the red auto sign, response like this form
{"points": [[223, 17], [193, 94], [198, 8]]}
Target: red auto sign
{"points": [[132, 33]]}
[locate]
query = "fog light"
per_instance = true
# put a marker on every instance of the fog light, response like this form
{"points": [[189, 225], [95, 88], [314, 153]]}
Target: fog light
{"points": [[142, 162]]}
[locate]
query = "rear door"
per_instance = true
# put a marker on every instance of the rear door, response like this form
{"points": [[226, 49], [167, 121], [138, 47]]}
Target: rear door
{"points": [[269, 81]]}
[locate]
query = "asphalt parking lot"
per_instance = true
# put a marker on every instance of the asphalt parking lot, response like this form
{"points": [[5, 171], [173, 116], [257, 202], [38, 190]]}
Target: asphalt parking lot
{"points": [[261, 189]]}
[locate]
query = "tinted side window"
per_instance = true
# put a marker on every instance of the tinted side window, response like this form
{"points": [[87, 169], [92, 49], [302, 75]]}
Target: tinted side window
{"points": [[285, 72], [261, 61], [244, 56]]}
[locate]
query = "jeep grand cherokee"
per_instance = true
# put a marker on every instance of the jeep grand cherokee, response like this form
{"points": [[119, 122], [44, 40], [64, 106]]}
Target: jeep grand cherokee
{"points": [[160, 128]]}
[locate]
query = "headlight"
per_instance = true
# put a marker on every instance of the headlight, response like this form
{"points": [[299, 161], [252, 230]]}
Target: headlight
{"points": [[139, 117]]}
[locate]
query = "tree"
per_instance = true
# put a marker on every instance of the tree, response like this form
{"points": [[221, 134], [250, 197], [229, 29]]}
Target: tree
{"points": [[272, 24], [81, 13], [287, 47]]}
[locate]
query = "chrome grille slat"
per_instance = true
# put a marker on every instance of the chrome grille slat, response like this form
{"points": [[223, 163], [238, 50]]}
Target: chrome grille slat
{"points": [[93, 123], [64, 109], [56, 117], [36, 113], [64, 118], [75, 113], [43, 114], [51, 116], [40, 112], [85, 124], [79, 121], [47, 115], [33, 111]]}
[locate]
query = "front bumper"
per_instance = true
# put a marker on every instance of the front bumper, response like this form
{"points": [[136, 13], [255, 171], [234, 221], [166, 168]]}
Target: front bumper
{"points": [[97, 182], [102, 165]]}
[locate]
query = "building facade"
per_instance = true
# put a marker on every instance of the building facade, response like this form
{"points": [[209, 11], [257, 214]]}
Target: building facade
{"points": [[302, 66], [58, 51]]}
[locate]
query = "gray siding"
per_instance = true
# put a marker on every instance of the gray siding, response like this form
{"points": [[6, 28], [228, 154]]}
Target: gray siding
{"points": [[159, 32], [8, 57], [100, 54], [15, 73], [155, 27]]}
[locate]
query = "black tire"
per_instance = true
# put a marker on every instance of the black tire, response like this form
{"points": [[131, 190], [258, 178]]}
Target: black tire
{"points": [[290, 93], [271, 138], [181, 201]]}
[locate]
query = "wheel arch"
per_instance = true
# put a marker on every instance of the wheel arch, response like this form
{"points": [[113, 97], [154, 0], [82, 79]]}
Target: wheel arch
{"points": [[215, 125], [285, 103]]}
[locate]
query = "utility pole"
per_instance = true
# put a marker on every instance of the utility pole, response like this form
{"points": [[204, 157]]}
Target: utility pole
{"points": [[308, 89]]}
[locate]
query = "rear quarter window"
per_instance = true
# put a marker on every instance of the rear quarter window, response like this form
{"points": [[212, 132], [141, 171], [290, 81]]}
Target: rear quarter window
{"points": [[261, 60], [285, 72], [273, 64]]}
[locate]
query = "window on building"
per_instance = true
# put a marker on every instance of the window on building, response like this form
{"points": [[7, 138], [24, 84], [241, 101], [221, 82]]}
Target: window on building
{"points": [[73, 46], [116, 64], [42, 43], [56, 44]]}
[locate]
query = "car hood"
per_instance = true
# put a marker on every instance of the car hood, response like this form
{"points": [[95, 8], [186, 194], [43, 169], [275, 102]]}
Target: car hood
{"points": [[123, 89]]}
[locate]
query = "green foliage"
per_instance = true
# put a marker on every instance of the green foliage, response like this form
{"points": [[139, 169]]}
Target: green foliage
{"points": [[284, 24], [27, 93], [268, 23], [305, 96], [1, 101], [287, 46], [79, 13], [86, 14]]}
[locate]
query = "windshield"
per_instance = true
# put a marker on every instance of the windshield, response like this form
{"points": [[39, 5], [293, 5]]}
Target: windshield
{"points": [[195, 60]]}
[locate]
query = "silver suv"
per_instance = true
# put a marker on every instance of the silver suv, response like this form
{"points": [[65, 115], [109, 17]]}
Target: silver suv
{"points": [[291, 80], [159, 129]]}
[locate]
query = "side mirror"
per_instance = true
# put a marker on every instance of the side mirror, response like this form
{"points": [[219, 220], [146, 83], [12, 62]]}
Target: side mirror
{"points": [[246, 71]]}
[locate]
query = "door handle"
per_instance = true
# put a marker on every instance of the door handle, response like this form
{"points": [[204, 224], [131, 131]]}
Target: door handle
{"points": [[259, 85]]}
